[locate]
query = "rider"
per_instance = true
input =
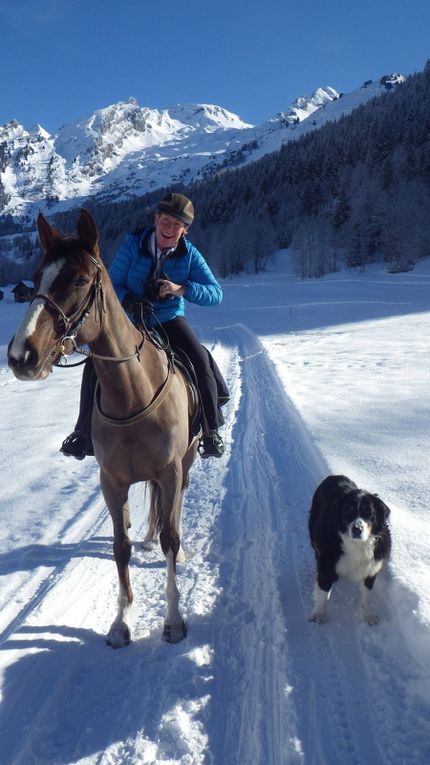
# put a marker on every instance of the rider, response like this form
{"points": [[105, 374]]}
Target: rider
{"points": [[162, 266]]}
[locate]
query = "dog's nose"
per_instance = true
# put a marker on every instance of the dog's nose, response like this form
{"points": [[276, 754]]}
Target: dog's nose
{"points": [[357, 528]]}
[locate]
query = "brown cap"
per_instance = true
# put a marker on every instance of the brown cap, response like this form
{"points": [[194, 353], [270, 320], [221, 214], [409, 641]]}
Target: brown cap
{"points": [[178, 206]]}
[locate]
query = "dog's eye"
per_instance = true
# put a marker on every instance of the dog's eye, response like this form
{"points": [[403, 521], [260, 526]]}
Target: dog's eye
{"points": [[351, 513]]}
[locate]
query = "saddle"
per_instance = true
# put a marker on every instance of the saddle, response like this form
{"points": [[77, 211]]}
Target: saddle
{"points": [[183, 363], [196, 414]]}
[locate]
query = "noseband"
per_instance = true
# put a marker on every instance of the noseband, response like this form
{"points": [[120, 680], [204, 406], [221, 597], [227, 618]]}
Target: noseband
{"points": [[73, 323]]}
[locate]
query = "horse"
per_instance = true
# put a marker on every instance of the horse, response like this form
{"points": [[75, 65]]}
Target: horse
{"points": [[140, 419]]}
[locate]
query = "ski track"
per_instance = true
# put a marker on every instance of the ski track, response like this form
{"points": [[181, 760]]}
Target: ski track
{"points": [[254, 682]]}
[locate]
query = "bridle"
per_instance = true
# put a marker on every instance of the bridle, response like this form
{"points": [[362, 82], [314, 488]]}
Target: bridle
{"points": [[73, 323]]}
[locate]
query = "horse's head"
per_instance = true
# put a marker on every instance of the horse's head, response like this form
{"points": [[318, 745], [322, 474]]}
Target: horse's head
{"points": [[67, 300]]}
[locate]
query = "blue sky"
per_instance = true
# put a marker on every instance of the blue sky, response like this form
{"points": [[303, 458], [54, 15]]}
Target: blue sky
{"points": [[62, 59]]}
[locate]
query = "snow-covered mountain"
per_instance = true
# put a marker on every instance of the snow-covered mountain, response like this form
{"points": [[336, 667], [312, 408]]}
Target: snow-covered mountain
{"points": [[125, 150]]}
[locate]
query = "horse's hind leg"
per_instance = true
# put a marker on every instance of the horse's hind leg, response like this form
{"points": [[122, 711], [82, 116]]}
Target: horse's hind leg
{"points": [[116, 498], [186, 465], [155, 521]]}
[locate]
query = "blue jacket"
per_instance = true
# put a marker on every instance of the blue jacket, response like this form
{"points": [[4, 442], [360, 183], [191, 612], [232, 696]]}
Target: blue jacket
{"points": [[133, 264]]}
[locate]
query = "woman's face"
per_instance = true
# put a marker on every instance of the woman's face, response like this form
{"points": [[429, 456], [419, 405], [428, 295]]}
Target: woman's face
{"points": [[168, 230]]}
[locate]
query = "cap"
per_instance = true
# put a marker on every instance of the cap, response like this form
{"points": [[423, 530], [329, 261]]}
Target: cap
{"points": [[178, 206]]}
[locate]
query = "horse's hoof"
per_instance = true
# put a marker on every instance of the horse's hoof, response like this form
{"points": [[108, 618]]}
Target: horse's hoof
{"points": [[173, 633], [119, 635]]}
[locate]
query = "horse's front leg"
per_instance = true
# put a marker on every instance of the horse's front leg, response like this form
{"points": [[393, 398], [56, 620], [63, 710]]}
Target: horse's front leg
{"points": [[174, 628], [170, 498], [117, 501]]}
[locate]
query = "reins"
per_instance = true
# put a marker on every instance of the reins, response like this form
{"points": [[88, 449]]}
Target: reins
{"points": [[75, 321], [63, 361]]}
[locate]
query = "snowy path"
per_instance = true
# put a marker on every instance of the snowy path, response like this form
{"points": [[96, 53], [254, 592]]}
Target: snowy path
{"points": [[254, 683]]}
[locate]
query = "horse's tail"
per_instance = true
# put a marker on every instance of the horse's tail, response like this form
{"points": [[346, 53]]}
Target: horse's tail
{"points": [[160, 525], [155, 520]]}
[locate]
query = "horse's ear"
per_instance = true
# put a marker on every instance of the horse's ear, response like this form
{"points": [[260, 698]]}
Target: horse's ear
{"points": [[87, 231], [47, 234]]}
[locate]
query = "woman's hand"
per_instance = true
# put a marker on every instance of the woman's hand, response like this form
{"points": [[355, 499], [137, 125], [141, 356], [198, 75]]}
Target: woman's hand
{"points": [[170, 288]]}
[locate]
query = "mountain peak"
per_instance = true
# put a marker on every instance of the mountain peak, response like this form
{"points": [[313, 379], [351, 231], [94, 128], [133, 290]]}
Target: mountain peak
{"points": [[124, 149]]}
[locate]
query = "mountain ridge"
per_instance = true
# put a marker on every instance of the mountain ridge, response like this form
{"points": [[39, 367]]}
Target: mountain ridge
{"points": [[125, 150]]}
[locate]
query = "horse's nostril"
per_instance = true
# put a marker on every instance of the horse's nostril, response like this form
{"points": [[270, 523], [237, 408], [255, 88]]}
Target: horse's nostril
{"points": [[22, 361]]}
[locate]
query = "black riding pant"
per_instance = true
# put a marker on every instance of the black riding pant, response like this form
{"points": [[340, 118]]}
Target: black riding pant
{"points": [[181, 335]]}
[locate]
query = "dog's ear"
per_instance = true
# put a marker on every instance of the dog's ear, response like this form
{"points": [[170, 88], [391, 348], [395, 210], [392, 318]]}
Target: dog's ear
{"points": [[382, 510], [339, 507]]}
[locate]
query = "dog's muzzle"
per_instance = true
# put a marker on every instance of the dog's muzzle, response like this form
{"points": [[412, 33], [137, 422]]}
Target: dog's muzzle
{"points": [[357, 529]]}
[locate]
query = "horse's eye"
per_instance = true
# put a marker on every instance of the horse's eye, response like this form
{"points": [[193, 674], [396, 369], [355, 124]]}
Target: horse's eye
{"points": [[81, 281]]}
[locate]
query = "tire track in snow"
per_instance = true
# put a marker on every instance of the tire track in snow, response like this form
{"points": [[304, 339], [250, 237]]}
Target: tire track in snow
{"points": [[345, 681], [79, 698], [254, 682], [294, 694], [33, 588]]}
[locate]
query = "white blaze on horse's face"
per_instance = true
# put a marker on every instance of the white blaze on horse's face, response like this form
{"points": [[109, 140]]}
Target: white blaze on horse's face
{"points": [[22, 349]]}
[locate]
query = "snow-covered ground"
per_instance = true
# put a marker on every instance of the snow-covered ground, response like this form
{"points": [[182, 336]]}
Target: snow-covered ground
{"points": [[326, 376]]}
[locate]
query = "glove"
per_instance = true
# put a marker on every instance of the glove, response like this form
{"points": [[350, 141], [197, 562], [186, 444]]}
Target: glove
{"points": [[138, 308]]}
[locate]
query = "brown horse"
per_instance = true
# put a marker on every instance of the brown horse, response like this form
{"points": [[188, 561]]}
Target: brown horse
{"points": [[140, 423]]}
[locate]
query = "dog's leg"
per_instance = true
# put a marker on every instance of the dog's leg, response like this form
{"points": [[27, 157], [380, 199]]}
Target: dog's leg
{"points": [[321, 598], [326, 577], [365, 589]]}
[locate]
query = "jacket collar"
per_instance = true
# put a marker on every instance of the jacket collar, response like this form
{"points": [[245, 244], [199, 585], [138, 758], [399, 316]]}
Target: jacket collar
{"points": [[145, 250]]}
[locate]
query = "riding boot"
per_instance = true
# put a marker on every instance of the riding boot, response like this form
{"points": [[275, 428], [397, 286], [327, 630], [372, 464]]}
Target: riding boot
{"points": [[79, 443], [211, 444]]}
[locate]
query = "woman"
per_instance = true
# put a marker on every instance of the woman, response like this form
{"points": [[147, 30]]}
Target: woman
{"points": [[161, 266]]}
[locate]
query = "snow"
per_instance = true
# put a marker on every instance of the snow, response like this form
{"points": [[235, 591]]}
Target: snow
{"points": [[327, 376]]}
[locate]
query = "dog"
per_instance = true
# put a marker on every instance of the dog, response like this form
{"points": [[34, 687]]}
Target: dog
{"points": [[350, 536]]}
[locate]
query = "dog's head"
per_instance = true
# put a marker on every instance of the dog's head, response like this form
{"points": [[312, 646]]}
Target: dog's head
{"points": [[362, 515]]}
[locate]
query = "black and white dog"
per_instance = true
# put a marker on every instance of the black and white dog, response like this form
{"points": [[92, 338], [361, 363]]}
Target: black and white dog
{"points": [[350, 536]]}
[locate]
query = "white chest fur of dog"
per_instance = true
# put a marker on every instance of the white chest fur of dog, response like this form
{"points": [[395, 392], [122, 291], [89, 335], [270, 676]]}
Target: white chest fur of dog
{"points": [[358, 559]]}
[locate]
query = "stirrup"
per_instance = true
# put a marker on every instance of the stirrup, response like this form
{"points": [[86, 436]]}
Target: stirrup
{"points": [[211, 445]]}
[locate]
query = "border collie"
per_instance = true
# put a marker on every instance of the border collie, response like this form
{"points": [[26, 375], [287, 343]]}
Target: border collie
{"points": [[350, 536]]}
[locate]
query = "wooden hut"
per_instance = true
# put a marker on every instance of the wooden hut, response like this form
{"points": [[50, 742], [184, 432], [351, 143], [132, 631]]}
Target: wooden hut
{"points": [[23, 291]]}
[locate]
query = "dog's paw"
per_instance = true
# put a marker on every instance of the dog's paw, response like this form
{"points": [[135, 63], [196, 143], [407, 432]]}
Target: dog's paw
{"points": [[318, 618], [371, 619]]}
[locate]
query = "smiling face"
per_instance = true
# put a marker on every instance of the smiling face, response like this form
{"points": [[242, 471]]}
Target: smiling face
{"points": [[168, 230]]}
